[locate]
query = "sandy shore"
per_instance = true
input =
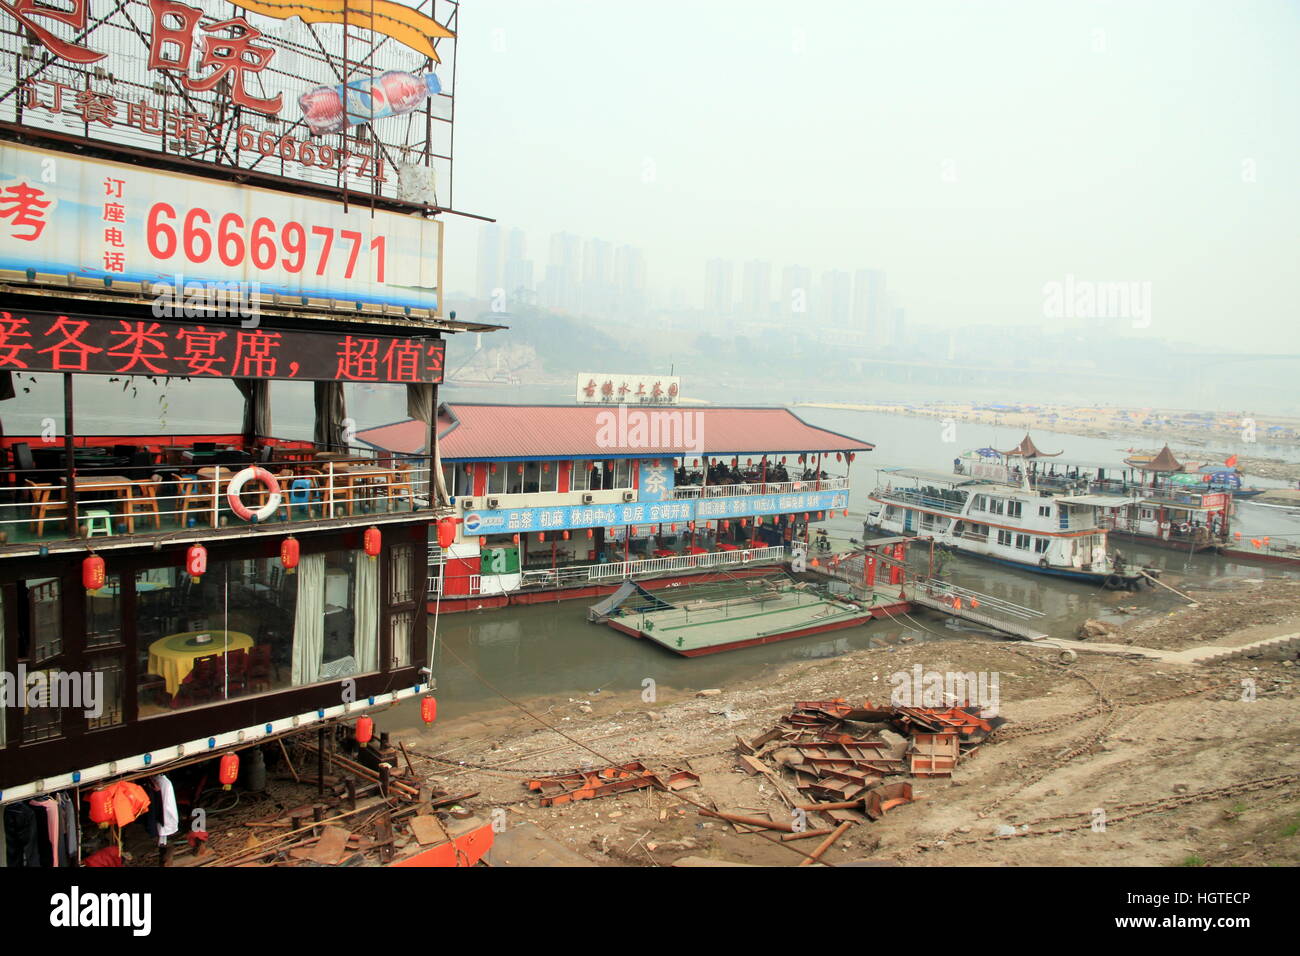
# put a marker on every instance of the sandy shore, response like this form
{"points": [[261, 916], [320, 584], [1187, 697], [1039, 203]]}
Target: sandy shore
{"points": [[1150, 743]]}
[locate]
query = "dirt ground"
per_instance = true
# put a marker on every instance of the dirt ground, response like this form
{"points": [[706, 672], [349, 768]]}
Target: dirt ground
{"points": [[1109, 760]]}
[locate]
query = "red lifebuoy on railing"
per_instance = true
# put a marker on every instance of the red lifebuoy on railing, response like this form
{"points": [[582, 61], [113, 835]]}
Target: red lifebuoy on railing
{"points": [[236, 486]]}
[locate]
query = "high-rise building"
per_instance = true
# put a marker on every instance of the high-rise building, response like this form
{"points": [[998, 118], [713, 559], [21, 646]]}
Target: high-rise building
{"points": [[756, 289], [717, 287], [489, 261], [563, 274], [796, 293], [900, 329], [629, 281], [869, 308], [517, 276], [836, 299]]}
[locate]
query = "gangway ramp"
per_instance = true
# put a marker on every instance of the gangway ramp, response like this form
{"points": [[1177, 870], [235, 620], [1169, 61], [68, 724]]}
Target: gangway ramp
{"points": [[978, 609]]}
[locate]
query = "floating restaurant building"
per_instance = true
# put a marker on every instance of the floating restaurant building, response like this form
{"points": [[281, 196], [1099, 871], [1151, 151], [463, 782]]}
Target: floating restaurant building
{"points": [[568, 501]]}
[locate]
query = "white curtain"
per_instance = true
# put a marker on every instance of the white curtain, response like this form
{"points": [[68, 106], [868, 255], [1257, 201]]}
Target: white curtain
{"points": [[4, 718], [365, 609], [309, 620]]}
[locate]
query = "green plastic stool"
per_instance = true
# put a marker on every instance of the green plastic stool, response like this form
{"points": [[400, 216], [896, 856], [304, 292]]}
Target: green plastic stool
{"points": [[99, 522]]}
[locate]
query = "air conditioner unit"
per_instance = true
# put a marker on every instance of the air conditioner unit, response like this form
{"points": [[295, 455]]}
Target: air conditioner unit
{"points": [[629, 495], [494, 502], [466, 503], [588, 498]]}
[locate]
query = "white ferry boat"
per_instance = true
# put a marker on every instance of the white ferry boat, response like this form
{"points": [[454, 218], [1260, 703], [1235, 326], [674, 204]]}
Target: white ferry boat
{"points": [[1044, 532]]}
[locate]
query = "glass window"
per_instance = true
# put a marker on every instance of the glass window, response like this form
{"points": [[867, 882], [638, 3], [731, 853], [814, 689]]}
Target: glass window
{"points": [[532, 477], [550, 480], [40, 647], [1004, 538], [104, 613], [623, 473], [449, 475], [579, 476], [1040, 545], [514, 476], [1022, 542], [496, 480], [1014, 509], [401, 601]]}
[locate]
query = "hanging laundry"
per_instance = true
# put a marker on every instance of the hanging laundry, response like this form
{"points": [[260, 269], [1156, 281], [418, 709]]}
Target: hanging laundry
{"points": [[22, 835], [170, 819]]}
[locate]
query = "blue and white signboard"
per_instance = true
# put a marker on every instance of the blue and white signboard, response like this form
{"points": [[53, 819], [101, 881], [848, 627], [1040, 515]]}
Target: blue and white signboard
{"points": [[655, 482], [570, 517]]}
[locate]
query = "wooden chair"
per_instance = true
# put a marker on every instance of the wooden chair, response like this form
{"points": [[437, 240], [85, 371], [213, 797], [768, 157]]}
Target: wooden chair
{"points": [[144, 499], [203, 684], [236, 671], [401, 481], [195, 493], [45, 503], [261, 669]]}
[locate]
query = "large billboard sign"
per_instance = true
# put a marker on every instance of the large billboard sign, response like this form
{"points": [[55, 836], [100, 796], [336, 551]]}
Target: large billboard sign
{"points": [[331, 92], [64, 216], [55, 342]]}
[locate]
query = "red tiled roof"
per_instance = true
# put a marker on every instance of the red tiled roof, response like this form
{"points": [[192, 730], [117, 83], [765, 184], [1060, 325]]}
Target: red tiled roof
{"points": [[483, 432]]}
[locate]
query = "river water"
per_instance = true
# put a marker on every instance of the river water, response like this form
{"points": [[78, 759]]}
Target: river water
{"points": [[552, 652]]}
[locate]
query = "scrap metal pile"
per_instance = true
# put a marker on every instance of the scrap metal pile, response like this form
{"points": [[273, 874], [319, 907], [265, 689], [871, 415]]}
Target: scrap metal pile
{"points": [[842, 772], [589, 784]]}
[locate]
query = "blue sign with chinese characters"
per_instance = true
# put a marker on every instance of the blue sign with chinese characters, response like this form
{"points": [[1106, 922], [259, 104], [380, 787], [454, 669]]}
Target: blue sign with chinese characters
{"points": [[569, 517]]}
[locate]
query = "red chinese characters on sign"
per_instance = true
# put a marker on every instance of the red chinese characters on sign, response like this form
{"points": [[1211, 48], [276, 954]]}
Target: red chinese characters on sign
{"points": [[14, 338], [24, 206], [231, 58], [29, 13], [45, 342]]}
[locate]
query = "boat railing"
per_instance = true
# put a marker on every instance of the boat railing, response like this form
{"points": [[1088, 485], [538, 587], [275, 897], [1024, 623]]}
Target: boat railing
{"points": [[621, 570], [914, 497], [156, 498], [760, 488]]}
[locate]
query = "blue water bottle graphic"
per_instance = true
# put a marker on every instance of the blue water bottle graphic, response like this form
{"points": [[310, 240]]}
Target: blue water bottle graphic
{"points": [[370, 98]]}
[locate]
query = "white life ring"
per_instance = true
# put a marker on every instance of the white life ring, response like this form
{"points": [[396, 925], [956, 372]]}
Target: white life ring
{"points": [[236, 486], [744, 557]]}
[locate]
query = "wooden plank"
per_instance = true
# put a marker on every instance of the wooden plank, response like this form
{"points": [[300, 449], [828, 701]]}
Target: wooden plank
{"points": [[427, 829], [329, 849]]}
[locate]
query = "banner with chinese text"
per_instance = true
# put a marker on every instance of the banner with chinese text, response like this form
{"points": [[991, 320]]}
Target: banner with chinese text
{"points": [[51, 342], [66, 215]]}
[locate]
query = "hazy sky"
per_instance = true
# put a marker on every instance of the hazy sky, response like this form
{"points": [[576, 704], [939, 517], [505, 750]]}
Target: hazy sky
{"points": [[973, 150]]}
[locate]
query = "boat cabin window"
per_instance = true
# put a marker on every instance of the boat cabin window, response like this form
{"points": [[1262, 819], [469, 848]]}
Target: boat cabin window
{"points": [[1014, 508], [1004, 537], [1022, 542], [996, 506], [1045, 511], [496, 477], [579, 476], [1041, 545]]}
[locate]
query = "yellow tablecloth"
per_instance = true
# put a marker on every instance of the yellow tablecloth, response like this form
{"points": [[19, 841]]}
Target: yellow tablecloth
{"points": [[172, 657]]}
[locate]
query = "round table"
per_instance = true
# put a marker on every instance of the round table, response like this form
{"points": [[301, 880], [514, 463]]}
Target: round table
{"points": [[172, 657], [113, 590]]}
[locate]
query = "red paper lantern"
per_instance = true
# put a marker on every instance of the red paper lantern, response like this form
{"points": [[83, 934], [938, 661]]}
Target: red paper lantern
{"points": [[845, 512], [744, 522], [92, 572], [289, 552], [519, 470], [591, 533], [429, 709], [837, 457], [783, 459], [196, 561], [514, 538], [101, 809], [492, 468], [546, 466], [541, 536], [482, 541], [228, 770], [365, 730], [672, 528], [565, 535], [372, 540], [447, 532], [726, 525]]}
